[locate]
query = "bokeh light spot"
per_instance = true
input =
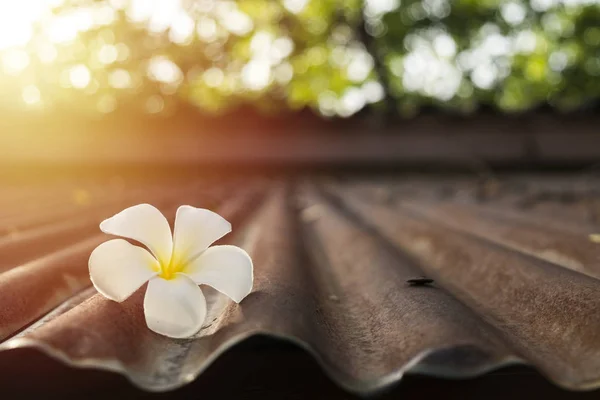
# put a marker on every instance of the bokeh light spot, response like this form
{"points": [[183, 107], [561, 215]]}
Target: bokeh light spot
{"points": [[80, 76], [31, 94], [15, 61], [162, 69], [256, 74], [155, 104], [295, 6], [108, 54], [106, 103], [213, 77], [120, 79]]}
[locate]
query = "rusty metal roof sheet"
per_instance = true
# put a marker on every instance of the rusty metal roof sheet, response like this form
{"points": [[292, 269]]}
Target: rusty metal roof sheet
{"points": [[515, 276]]}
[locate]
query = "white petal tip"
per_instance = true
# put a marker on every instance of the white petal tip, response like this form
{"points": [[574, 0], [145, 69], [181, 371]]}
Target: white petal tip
{"points": [[172, 332], [195, 230], [118, 268], [145, 224], [175, 308], [106, 295], [228, 269]]}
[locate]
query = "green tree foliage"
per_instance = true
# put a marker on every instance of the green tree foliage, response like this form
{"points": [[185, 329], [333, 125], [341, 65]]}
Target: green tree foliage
{"points": [[331, 55], [510, 55]]}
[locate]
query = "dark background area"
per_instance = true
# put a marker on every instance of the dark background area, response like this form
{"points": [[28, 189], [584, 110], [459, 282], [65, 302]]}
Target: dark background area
{"points": [[262, 368]]}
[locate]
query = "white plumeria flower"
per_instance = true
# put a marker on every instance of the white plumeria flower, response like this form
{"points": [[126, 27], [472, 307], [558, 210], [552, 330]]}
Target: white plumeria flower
{"points": [[174, 305]]}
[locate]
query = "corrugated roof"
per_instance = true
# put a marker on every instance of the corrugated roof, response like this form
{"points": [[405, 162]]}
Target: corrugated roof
{"points": [[515, 276]]}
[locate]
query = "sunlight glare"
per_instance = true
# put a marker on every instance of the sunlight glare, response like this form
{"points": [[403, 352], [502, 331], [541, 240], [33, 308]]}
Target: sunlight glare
{"points": [[61, 29], [17, 19]]}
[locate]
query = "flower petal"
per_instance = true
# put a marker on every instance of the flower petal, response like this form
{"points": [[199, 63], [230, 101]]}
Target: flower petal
{"points": [[174, 307], [145, 224], [118, 268], [195, 230], [226, 268]]}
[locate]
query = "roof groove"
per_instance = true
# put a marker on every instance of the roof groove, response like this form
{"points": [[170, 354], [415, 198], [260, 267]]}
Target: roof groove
{"points": [[73, 301], [559, 248], [52, 278], [533, 304], [531, 217], [401, 320], [399, 251]]}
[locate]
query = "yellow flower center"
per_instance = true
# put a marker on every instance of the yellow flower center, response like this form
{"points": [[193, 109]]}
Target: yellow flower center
{"points": [[169, 271]]}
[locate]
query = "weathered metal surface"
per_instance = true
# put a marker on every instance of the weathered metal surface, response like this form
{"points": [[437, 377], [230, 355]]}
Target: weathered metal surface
{"points": [[512, 277]]}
